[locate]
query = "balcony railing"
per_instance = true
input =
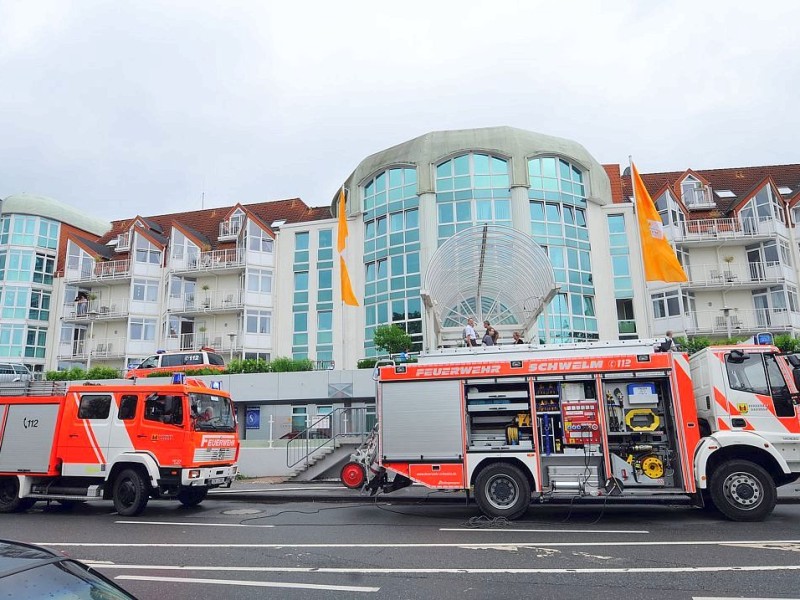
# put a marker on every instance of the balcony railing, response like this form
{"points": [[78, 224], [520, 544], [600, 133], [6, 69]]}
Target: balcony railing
{"points": [[218, 259], [730, 275], [123, 242], [230, 228], [208, 300], [698, 197], [740, 322], [101, 271], [96, 309], [725, 229], [97, 348]]}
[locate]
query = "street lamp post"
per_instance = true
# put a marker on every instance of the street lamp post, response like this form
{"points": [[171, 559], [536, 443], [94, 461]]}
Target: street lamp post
{"points": [[232, 335], [89, 343]]}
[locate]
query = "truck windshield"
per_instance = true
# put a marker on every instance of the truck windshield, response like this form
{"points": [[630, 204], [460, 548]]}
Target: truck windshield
{"points": [[211, 413]]}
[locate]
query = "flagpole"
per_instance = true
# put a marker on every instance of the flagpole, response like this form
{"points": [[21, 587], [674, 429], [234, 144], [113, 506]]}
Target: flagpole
{"points": [[647, 300], [341, 295]]}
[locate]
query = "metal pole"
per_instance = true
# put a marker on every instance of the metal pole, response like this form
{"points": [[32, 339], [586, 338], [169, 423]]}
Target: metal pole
{"points": [[89, 344]]}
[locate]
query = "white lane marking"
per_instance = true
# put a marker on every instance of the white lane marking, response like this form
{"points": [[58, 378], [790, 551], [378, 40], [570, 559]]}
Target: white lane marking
{"points": [[736, 598], [189, 524], [503, 529], [421, 545], [776, 546], [269, 584], [477, 571]]}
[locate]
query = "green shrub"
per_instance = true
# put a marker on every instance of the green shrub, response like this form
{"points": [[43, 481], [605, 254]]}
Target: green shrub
{"points": [[366, 363], [102, 372], [284, 364], [692, 345], [187, 372], [786, 343], [73, 374], [249, 365]]}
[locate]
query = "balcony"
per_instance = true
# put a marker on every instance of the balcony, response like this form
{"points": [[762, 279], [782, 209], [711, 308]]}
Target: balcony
{"points": [[123, 242], [205, 301], [722, 232], [100, 349], [698, 197], [230, 229], [738, 275], [217, 261], [107, 271], [743, 322], [98, 310]]}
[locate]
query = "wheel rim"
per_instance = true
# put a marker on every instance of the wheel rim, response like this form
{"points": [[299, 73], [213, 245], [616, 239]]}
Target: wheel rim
{"points": [[501, 491], [126, 493], [743, 490], [352, 475]]}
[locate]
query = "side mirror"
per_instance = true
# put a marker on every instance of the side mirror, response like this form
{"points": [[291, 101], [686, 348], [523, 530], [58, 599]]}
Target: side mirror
{"points": [[737, 357]]}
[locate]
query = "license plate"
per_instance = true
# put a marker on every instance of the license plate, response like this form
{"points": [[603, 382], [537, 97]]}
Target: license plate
{"points": [[217, 481]]}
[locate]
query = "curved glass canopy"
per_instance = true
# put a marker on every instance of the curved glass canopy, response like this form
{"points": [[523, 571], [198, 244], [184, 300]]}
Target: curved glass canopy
{"points": [[489, 272]]}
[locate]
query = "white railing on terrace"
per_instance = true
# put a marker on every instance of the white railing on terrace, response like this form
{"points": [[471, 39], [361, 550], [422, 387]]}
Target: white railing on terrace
{"points": [[96, 309], [230, 228], [705, 229], [195, 341], [102, 271], [107, 348], [205, 300], [218, 259], [734, 273], [743, 321]]}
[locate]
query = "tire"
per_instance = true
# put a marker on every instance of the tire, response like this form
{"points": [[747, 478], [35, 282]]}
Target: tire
{"points": [[131, 493], [353, 475], [743, 491], [192, 496], [502, 490], [9, 496]]}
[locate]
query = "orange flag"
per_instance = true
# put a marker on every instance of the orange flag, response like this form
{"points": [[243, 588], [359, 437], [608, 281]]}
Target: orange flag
{"points": [[660, 261], [348, 297]]}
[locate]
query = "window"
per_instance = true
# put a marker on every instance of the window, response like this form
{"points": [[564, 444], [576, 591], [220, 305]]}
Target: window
{"points": [[127, 408], [747, 375], [259, 321], [11, 337], [666, 304], [258, 240], [43, 269], [299, 418], [146, 252], [301, 240], [164, 409], [15, 302], [94, 406], [145, 290], [48, 234], [259, 280], [36, 342], [40, 305], [143, 330]]}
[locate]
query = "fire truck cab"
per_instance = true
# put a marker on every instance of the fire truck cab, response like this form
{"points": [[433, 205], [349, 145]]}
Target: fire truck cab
{"points": [[123, 442], [512, 424]]}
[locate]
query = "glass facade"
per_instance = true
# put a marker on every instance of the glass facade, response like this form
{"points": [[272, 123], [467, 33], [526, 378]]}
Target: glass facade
{"points": [[557, 201], [391, 255], [28, 246]]}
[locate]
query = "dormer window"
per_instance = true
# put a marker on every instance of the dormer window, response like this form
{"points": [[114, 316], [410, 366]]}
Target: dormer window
{"points": [[123, 242], [696, 195], [231, 227]]}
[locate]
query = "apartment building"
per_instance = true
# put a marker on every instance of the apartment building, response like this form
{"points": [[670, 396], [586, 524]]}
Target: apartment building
{"points": [[735, 233]]}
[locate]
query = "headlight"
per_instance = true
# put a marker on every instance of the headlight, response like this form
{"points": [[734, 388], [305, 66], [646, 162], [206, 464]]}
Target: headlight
{"points": [[194, 473]]}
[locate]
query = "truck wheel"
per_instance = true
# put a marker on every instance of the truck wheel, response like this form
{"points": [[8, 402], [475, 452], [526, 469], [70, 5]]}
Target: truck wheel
{"points": [[743, 491], [192, 496], [9, 496], [131, 493], [353, 475], [502, 490]]}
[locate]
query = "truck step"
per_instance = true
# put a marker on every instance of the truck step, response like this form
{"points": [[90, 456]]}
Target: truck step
{"points": [[61, 497], [67, 492]]}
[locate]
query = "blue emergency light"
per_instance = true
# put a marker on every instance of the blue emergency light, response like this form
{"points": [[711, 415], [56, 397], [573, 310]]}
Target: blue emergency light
{"points": [[179, 378], [764, 338], [216, 385]]}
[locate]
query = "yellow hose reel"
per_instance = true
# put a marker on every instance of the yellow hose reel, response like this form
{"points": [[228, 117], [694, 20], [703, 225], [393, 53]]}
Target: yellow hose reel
{"points": [[652, 466]]}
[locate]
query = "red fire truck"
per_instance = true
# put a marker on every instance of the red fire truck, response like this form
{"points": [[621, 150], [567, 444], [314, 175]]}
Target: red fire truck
{"points": [[123, 442], [600, 419]]}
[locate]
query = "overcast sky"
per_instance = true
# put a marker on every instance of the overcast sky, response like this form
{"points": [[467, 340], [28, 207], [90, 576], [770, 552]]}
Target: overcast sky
{"points": [[125, 108]]}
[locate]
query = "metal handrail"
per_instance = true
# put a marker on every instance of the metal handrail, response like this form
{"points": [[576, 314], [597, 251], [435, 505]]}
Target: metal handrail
{"points": [[302, 446]]}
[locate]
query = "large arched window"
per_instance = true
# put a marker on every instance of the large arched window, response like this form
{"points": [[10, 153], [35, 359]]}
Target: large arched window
{"points": [[391, 255], [472, 189], [557, 197]]}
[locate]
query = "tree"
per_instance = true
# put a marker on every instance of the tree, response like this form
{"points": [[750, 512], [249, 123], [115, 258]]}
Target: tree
{"points": [[391, 338]]}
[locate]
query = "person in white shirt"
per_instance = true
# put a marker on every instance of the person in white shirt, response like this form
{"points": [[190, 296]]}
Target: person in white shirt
{"points": [[470, 338], [668, 344]]}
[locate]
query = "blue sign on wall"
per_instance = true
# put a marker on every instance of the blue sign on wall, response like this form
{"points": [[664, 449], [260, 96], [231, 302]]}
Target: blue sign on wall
{"points": [[252, 418]]}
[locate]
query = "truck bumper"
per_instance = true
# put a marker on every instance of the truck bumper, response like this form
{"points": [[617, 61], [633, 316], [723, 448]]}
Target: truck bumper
{"points": [[209, 476]]}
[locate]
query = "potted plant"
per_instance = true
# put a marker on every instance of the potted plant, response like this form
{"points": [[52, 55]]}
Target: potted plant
{"points": [[729, 275], [207, 299], [201, 339]]}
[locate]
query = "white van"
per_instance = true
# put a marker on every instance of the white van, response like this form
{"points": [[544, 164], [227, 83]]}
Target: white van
{"points": [[10, 372]]}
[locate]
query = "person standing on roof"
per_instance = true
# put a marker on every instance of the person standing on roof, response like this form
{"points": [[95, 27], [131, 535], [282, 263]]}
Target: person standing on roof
{"points": [[470, 337]]}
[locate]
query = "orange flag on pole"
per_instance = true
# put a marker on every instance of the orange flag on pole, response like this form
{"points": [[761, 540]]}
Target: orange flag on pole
{"points": [[660, 261], [348, 297]]}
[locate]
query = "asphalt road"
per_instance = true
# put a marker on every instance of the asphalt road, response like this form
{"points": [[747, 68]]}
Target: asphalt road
{"points": [[246, 549]]}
